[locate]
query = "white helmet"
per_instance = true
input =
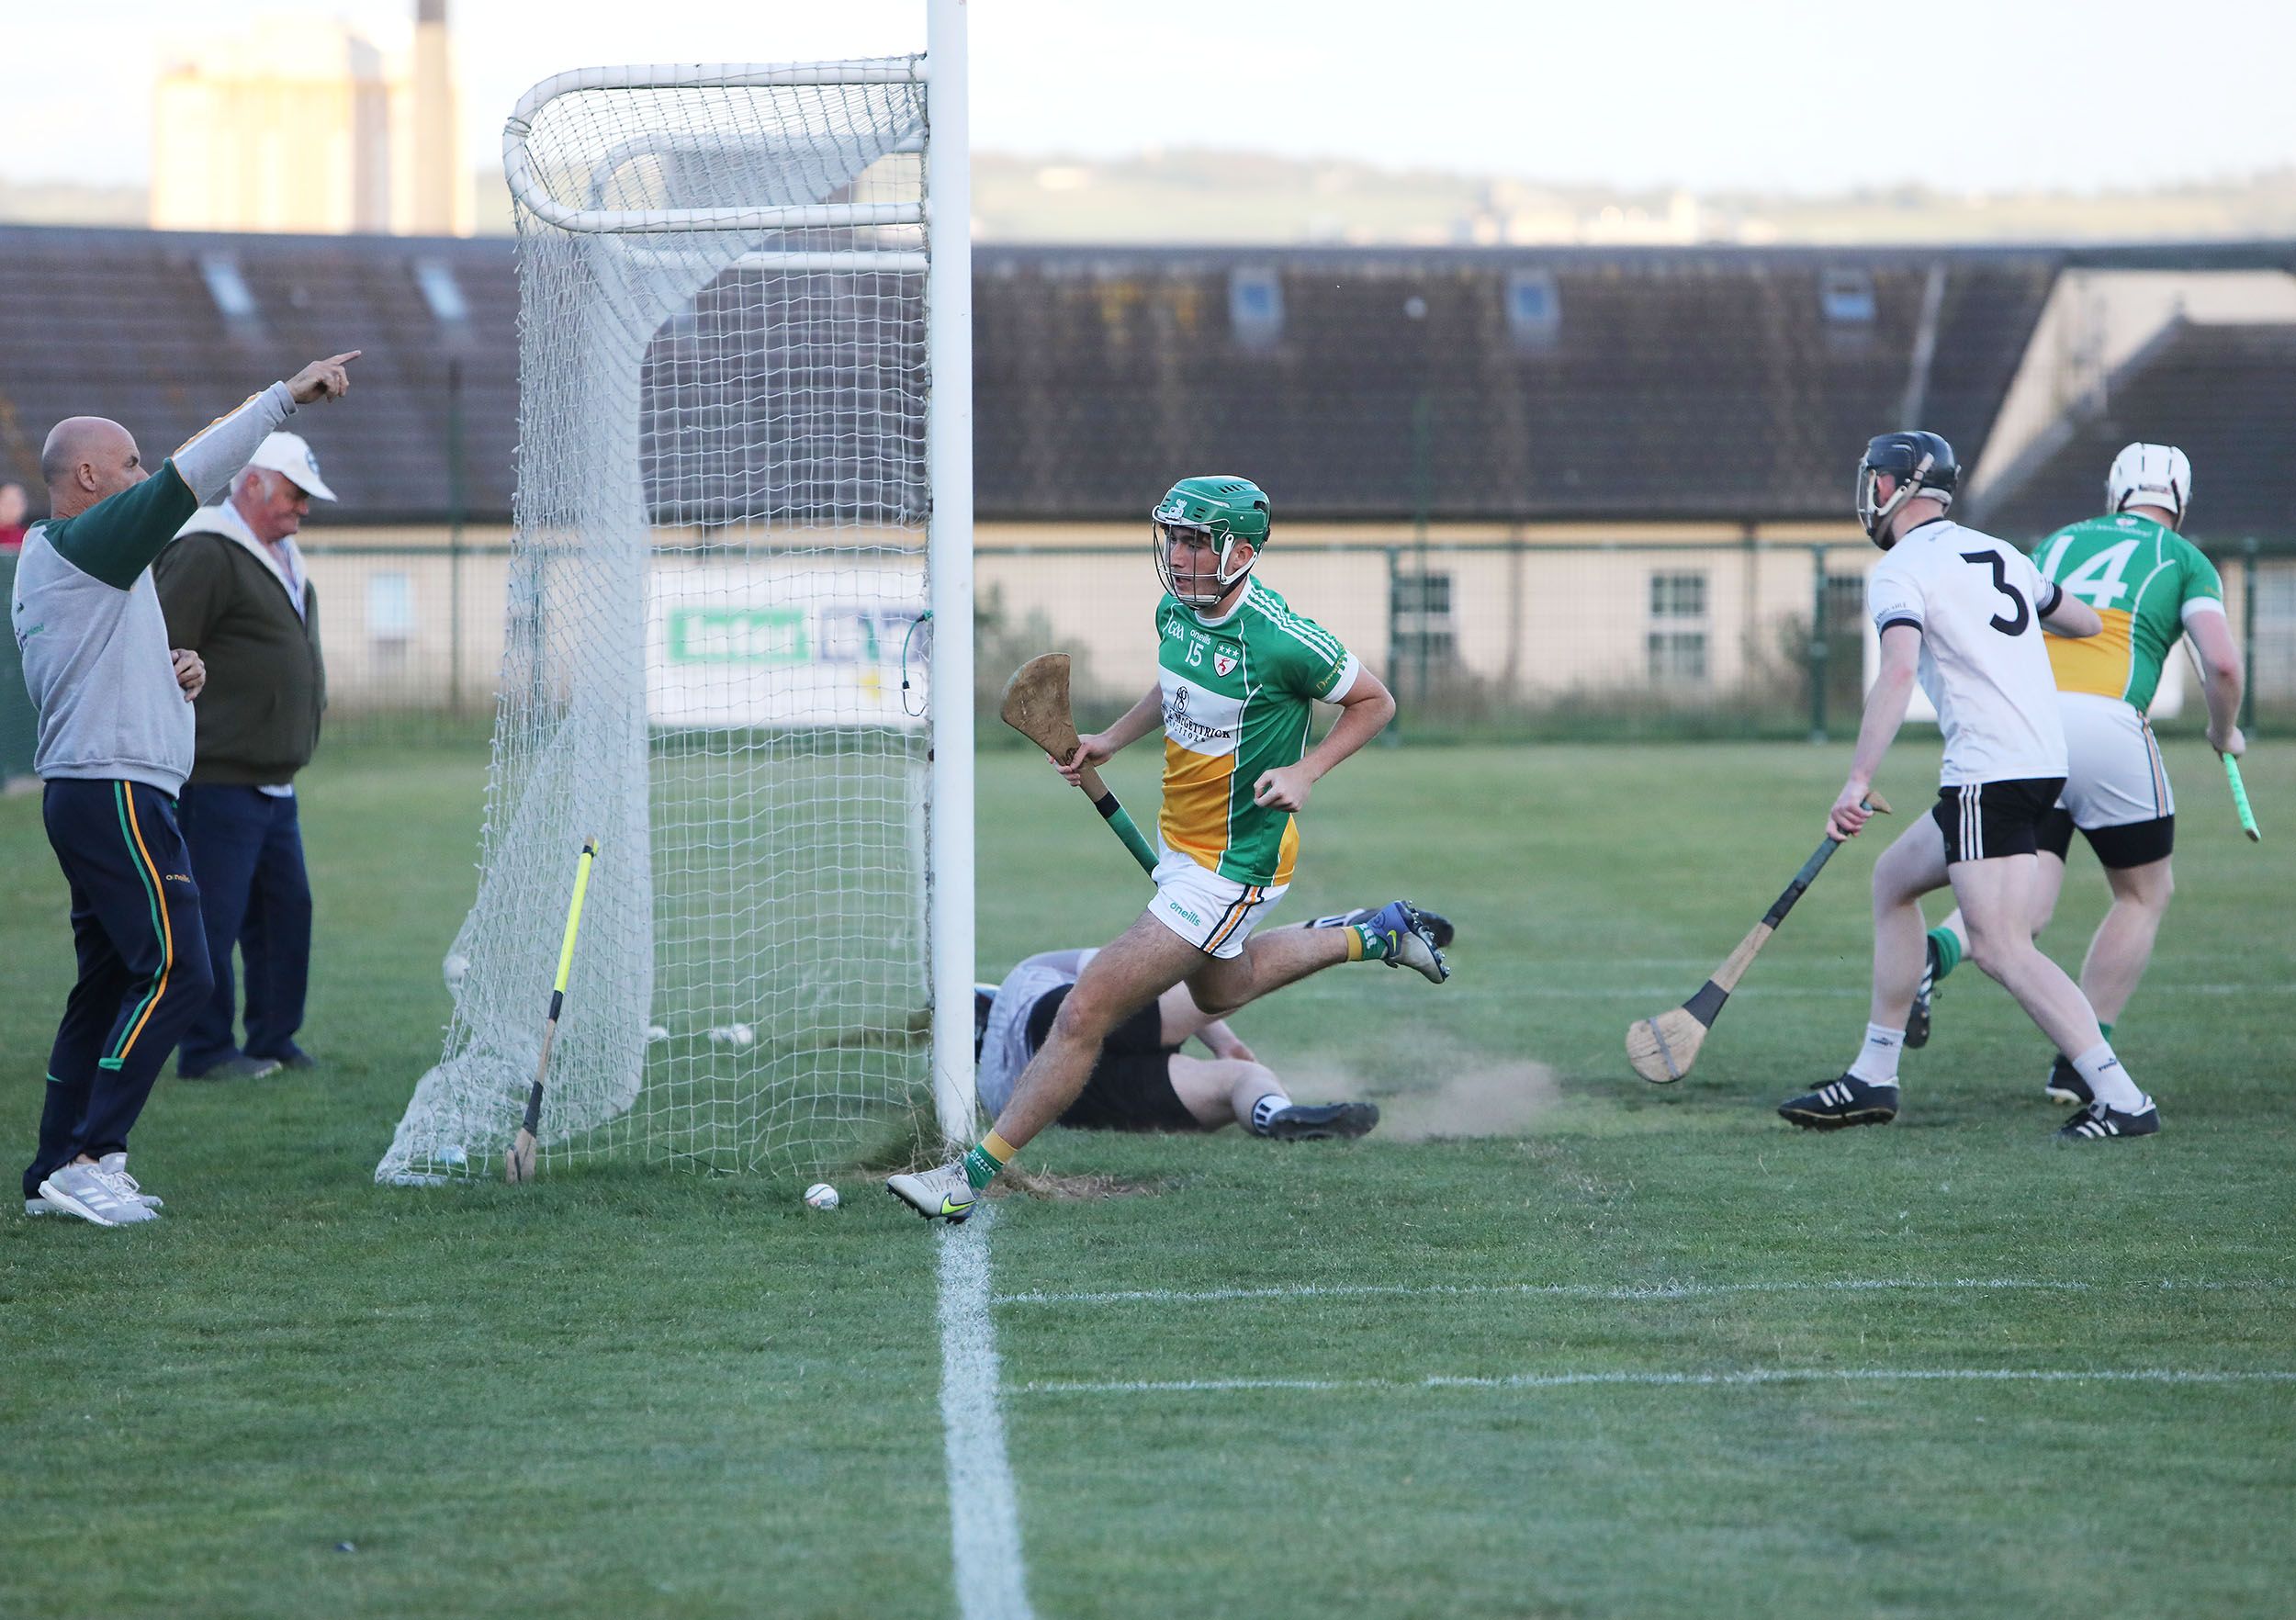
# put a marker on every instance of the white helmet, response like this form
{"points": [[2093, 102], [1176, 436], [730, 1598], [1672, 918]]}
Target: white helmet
{"points": [[2151, 475]]}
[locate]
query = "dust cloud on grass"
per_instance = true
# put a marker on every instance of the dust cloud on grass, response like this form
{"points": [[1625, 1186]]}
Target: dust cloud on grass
{"points": [[1443, 1091]]}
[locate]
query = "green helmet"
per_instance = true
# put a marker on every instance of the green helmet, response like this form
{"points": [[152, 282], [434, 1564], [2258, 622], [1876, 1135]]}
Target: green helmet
{"points": [[1227, 513]]}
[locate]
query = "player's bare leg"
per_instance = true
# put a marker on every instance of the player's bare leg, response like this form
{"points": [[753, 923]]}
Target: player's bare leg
{"points": [[1144, 961], [1911, 867], [2122, 947], [1947, 946], [1216, 1091], [1997, 900], [1219, 1091], [1867, 1092]]}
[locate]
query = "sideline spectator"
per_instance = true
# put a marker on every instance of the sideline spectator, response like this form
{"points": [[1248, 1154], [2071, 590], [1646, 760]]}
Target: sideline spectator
{"points": [[235, 591], [14, 505]]}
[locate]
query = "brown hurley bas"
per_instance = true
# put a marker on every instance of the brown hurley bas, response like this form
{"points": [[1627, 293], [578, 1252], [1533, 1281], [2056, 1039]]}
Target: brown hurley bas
{"points": [[1036, 705], [1662, 1049]]}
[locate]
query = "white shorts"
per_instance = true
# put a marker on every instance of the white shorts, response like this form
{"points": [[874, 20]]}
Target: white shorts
{"points": [[1214, 913], [2114, 776]]}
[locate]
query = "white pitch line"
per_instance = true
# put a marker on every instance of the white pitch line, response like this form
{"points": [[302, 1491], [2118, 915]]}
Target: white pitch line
{"points": [[1663, 993], [1551, 1290], [984, 1516], [1774, 1375]]}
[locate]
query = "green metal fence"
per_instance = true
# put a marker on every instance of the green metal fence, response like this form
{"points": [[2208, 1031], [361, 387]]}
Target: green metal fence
{"points": [[1493, 637]]}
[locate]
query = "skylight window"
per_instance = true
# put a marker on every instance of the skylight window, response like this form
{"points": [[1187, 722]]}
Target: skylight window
{"points": [[440, 292], [228, 287]]}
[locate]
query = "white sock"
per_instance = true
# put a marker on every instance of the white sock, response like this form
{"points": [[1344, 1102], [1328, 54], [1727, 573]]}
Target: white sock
{"points": [[2108, 1082], [1876, 1061], [1267, 1109]]}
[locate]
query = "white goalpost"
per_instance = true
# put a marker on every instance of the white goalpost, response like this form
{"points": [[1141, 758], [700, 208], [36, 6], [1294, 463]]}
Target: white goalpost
{"points": [[743, 543]]}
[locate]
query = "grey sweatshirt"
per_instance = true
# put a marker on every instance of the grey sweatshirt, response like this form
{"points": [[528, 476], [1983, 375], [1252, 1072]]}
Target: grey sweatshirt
{"points": [[88, 621]]}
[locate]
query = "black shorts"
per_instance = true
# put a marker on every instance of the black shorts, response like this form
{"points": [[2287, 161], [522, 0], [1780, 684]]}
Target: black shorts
{"points": [[1984, 821], [1130, 1085], [2134, 843]]}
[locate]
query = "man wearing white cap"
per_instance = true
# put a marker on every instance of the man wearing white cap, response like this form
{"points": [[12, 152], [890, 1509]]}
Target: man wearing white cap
{"points": [[235, 591]]}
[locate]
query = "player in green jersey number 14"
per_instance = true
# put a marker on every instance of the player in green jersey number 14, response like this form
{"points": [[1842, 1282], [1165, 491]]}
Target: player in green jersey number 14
{"points": [[1239, 674], [2152, 587]]}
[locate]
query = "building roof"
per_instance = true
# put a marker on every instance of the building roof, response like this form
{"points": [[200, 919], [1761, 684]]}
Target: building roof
{"points": [[2225, 395], [1498, 384], [1523, 385], [163, 331]]}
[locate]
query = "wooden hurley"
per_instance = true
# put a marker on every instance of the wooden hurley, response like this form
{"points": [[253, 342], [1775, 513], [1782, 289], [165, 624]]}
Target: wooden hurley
{"points": [[1662, 1049], [518, 1162], [1036, 705]]}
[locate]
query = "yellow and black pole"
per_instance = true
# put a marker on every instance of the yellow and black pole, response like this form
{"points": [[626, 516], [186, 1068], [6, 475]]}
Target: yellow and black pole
{"points": [[518, 1164]]}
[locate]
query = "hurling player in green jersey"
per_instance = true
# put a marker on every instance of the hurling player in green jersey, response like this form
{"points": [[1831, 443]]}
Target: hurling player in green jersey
{"points": [[1239, 675], [2152, 587]]}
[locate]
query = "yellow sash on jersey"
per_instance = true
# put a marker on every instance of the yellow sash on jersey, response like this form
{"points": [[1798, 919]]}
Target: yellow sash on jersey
{"points": [[2099, 664]]}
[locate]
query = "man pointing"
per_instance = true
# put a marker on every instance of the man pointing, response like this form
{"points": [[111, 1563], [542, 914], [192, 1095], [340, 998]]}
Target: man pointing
{"points": [[115, 743]]}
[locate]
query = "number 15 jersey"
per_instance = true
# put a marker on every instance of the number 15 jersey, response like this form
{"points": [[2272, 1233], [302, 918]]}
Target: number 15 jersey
{"points": [[1977, 602]]}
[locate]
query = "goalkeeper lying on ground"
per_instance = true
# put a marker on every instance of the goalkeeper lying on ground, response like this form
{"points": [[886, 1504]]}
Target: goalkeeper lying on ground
{"points": [[1141, 1081]]}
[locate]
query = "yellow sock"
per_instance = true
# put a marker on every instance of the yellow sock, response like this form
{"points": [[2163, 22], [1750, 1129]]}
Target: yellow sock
{"points": [[983, 1162]]}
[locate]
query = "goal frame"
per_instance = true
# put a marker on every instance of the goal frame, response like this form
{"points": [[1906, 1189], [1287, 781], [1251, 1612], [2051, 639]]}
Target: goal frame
{"points": [[945, 218]]}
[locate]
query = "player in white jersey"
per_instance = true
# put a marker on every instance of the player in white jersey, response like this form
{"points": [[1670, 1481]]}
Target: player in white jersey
{"points": [[1962, 612], [2152, 587]]}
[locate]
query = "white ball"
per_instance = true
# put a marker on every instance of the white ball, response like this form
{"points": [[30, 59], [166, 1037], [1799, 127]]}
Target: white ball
{"points": [[454, 969], [821, 1196], [732, 1035]]}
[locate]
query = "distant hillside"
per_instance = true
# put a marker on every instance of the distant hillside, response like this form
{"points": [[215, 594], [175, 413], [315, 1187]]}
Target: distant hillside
{"points": [[1183, 196], [1186, 196]]}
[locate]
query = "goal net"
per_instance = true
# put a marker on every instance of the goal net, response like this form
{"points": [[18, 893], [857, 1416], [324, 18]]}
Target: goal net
{"points": [[718, 635]]}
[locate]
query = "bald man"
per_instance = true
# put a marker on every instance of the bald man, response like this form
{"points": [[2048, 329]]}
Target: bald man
{"points": [[115, 743]]}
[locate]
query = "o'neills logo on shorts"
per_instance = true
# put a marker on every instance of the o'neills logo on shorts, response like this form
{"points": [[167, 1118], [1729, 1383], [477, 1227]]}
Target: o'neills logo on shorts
{"points": [[1179, 910]]}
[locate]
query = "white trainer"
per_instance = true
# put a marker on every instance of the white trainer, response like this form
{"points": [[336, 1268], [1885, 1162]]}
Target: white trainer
{"points": [[116, 1167], [941, 1194], [87, 1191]]}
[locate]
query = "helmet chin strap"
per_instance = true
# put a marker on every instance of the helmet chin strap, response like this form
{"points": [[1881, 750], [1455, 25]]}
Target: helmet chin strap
{"points": [[1223, 580]]}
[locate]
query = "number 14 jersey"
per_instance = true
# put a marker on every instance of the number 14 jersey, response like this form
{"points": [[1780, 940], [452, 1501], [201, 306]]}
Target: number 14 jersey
{"points": [[2145, 582], [1977, 602]]}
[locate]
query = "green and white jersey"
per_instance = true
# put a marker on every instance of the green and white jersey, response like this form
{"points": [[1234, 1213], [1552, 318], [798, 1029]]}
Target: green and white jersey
{"points": [[1238, 693], [2145, 582]]}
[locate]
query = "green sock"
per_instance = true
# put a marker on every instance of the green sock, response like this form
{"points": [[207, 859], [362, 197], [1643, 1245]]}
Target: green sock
{"points": [[983, 1161], [1366, 943], [1947, 945]]}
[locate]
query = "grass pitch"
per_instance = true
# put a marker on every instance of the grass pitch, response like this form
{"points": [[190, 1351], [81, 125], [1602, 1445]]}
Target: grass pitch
{"points": [[1579, 1347]]}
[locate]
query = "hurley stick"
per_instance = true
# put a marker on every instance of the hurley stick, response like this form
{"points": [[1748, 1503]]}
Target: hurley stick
{"points": [[518, 1164], [1663, 1047], [1036, 705], [2240, 799], [2231, 766]]}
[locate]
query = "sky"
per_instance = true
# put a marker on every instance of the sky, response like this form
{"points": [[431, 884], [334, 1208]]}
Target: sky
{"points": [[1772, 95]]}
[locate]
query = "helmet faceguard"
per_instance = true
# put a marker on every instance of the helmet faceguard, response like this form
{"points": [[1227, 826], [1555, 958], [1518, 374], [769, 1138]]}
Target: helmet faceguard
{"points": [[1227, 515], [1923, 466], [2151, 475]]}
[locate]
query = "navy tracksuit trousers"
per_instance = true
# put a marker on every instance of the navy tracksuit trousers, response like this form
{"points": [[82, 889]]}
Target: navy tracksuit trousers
{"points": [[144, 963], [247, 852]]}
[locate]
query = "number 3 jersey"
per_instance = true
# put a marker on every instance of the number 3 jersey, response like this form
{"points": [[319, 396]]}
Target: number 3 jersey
{"points": [[2146, 581], [1238, 694], [1977, 602]]}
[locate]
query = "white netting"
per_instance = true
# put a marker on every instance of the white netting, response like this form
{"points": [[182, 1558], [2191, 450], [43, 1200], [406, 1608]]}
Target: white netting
{"points": [[720, 564]]}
